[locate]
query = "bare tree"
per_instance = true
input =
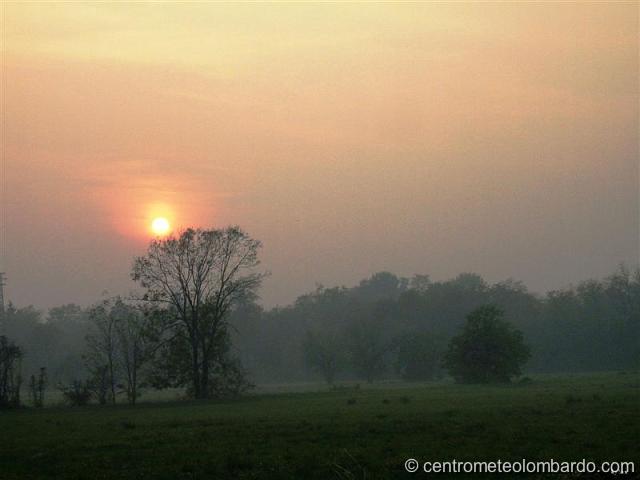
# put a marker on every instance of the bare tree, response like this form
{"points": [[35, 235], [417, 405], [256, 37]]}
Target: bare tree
{"points": [[137, 340], [199, 276], [101, 343], [123, 341]]}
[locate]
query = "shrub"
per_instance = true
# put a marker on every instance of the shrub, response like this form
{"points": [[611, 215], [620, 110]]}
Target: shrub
{"points": [[76, 394]]}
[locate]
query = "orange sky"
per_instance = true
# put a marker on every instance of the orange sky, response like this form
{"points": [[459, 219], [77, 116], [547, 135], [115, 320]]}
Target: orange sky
{"points": [[435, 138]]}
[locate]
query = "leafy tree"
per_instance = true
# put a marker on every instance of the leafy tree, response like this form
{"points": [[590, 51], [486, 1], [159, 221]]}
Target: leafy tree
{"points": [[57, 340], [10, 379], [198, 277], [101, 343], [172, 368], [488, 350], [367, 347], [418, 356], [324, 353], [380, 286], [67, 327], [419, 283]]}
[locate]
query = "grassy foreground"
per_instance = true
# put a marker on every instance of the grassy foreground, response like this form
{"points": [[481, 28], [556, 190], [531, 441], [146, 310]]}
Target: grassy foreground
{"points": [[348, 433]]}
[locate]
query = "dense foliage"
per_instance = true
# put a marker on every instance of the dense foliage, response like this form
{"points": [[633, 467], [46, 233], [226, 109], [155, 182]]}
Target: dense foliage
{"points": [[418, 356], [384, 327], [488, 350], [379, 324]]}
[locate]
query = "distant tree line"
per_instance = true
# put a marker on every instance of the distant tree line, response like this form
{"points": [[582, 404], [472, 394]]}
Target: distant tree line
{"points": [[196, 325], [388, 327]]}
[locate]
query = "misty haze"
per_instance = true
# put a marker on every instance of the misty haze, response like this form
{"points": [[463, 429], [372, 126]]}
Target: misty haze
{"points": [[319, 240]]}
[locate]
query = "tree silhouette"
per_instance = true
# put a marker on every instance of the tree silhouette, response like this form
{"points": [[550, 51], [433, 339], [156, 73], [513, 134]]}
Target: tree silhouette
{"points": [[488, 350], [199, 276]]}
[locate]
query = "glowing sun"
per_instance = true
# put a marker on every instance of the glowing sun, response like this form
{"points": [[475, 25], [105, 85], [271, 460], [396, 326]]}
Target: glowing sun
{"points": [[160, 226]]}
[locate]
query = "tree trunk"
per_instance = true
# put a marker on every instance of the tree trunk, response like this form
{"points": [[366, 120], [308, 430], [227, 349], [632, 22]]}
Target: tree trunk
{"points": [[195, 369], [204, 386], [112, 381], [134, 381]]}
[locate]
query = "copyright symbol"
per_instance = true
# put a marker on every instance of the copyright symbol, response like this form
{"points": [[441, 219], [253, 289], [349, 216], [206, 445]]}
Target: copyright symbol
{"points": [[411, 465]]}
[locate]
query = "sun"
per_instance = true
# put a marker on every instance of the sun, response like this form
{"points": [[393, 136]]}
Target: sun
{"points": [[160, 226]]}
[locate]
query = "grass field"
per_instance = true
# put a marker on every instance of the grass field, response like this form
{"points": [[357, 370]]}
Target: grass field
{"points": [[346, 433]]}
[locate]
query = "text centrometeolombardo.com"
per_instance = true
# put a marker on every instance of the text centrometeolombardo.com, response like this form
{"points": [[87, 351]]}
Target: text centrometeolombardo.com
{"points": [[412, 465]]}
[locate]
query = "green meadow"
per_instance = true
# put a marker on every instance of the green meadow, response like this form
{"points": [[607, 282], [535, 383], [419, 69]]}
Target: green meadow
{"points": [[348, 432]]}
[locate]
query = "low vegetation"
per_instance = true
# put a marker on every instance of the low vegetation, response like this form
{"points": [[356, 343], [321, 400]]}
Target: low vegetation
{"points": [[347, 432]]}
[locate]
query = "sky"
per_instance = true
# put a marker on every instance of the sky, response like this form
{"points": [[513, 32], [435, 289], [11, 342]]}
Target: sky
{"points": [[501, 139]]}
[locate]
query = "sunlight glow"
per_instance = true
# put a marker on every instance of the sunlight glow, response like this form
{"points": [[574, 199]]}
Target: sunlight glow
{"points": [[160, 226]]}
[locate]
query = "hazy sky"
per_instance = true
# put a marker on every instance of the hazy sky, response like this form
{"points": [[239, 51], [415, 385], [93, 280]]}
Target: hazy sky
{"points": [[500, 139]]}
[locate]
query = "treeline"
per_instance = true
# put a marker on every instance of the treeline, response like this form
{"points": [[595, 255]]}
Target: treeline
{"points": [[389, 326], [56, 340], [385, 327]]}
